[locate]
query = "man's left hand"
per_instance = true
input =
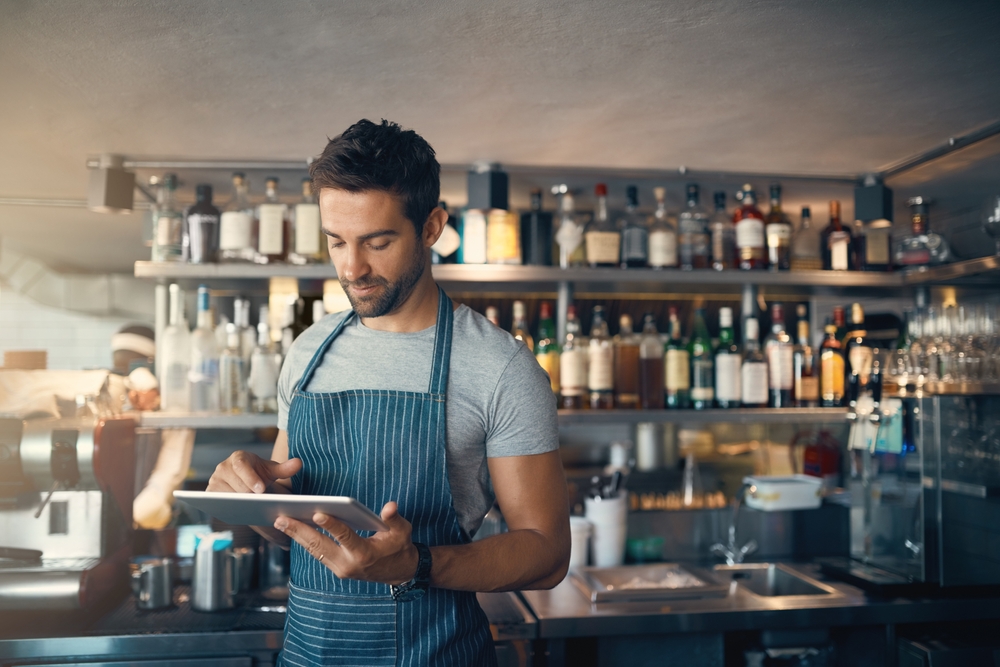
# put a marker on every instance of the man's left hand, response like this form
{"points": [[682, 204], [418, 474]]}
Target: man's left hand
{"points": [[385, 557]]}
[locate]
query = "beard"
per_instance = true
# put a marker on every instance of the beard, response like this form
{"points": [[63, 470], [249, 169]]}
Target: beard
{"points": [[391, 296]]}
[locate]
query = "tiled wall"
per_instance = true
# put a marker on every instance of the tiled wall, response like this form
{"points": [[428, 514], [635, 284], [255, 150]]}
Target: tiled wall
{"points": [[73, 340]]}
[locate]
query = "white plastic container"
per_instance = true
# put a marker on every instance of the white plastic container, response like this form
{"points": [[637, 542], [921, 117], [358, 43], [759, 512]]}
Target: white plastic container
{"points": [[773, 493], [580, 529], [609, 517]]}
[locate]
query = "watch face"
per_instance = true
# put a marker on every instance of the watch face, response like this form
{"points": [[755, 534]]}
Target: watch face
{"points": [[407, 594]]}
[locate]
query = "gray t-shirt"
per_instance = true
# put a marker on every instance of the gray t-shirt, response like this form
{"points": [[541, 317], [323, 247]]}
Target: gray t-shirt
{"points": [[499, 400]]}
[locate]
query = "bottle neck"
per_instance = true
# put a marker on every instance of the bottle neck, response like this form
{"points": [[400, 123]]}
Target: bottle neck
{"points": [[803, 332], [176, 309], [602, 208], [204, 319]]}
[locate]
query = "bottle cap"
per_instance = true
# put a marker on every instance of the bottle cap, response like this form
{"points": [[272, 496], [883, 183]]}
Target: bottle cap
{"points": [[649, 317], [672, 311], [625, 322], [601, 190], [519, 311], [725, 317], [660, 194], [632, 195], [238, 177], [692, 191], [545, 310], [568, 204], [806, 213], [571, 311], [775, 191], [203, 191], [777, 313], [801, 310]]}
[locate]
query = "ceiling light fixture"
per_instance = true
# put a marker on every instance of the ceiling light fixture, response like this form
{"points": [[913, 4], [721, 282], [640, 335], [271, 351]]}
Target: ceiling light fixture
{"points": [[111, 187]]}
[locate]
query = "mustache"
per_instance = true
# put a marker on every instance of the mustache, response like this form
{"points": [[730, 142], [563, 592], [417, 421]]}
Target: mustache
{"points": [[364, 282]]}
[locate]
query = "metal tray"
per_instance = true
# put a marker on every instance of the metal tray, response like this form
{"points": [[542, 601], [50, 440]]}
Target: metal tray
{"points": [[658, 581]]}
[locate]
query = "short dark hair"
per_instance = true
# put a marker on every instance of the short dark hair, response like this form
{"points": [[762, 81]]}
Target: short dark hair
{"points": [[382, 157]]}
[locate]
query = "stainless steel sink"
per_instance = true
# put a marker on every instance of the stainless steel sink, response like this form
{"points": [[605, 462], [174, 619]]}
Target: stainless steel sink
{"points": [[774, 580]]}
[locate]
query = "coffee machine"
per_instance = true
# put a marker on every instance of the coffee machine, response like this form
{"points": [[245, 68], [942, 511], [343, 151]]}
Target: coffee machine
{"points": [[66, 491]]}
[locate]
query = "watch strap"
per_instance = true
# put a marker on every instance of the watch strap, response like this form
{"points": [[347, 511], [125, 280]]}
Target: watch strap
{"points": [[418, 585]]}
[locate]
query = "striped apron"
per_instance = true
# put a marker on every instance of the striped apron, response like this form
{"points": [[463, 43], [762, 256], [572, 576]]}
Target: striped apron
{"points": [[378, 446]]}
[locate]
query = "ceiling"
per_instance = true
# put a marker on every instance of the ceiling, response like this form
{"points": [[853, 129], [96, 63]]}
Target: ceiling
{"points": [[779, 86]]}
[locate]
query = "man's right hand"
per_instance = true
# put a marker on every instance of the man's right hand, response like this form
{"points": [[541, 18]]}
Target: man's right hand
{"points": [[244, 472]]}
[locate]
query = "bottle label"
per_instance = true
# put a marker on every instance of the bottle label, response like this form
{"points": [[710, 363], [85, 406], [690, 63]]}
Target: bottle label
{"points": [[831, 376], [603, 247], [169, 230], [271, 234], [307, 229], [781, 366], [839, 252], [635, 244], [662, 249], [549, 361], [727, 377], [778, 235], [806, 388], [750, 234], [914, 257], [693, 246], [235, 230], [474, 238], [600, 374], [702, 379], [569, 237], [573, 372], [754, 380], [861, 357], [502, 238], [877, 248], [677, 376]]}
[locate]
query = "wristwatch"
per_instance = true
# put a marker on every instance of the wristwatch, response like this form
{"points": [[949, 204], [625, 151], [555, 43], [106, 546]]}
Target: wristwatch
{"points": [[415, 588]]}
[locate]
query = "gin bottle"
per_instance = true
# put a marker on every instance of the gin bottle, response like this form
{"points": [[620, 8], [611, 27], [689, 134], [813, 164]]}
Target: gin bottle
{"points": [[168, 223]]}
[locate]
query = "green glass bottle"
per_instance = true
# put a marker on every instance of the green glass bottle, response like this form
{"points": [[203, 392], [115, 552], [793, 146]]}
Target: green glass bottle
{"points": [[702, 366], [677, 367]]}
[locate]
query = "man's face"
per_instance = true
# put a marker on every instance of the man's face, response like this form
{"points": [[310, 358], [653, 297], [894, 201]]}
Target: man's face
{"points": [[374, 247]]}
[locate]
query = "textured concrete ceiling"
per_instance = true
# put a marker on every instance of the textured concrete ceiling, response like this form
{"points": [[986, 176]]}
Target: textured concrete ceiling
{"points": [[766, 86]]}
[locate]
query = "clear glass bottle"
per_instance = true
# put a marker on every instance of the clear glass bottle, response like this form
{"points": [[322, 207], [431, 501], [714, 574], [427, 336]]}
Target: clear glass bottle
{"points": [[831, 373], [241, 318], [204, 374], [723, 235], [651, 384], [168, 223], [635, 234], [600, 364], [265, 362], [569, 234], [751, 242], [836, 243], [921, 247], [728, 362], [536, 233], [308, 243], [662, 235], [778, 229], [702, 364], [677, 366], [804, 363], [547, 348], [201, 228], [503, 237], [573, 363], [693, 240], [603, 240], [519, 330], [237, 236], [173, 361], [805, 245], [473, 233], [221, 331], [753, 372], [232, 374], [626, 365], [273, 226], [780, 352]]}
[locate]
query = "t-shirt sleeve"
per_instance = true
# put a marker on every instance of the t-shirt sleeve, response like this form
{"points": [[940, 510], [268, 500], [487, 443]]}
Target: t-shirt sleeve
{"points": [[523, 418], [286, 385]]}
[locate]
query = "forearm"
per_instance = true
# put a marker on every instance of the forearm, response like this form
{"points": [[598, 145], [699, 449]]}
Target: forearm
{"points": [[517, 560]]}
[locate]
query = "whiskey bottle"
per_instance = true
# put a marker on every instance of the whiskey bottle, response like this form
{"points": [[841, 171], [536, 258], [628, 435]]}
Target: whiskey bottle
{"points": [[168, 223], [273, 226], [573, 365], [921, 247], [836, 242], [728, 362], [858, 350], [677, 367], [536, 233], [650, 366], [805, 245], [804, 361], [693, 240], [702, 364], [600, 364], [874, 251], [831, 369], [519, 330], [635, 235], [753, 373], [308, 244], [751, 244], [779, 350], [662, 235], [778, 230], [547, 349], [723, 235], [602, 239], [503, 237], [626, 365], [236, 226]]}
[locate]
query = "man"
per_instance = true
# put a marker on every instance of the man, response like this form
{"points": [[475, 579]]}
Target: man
{"points": [[418, 408]]}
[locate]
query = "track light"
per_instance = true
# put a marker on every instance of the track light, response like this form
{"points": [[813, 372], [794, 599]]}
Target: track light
{"points": [[111, 187]]}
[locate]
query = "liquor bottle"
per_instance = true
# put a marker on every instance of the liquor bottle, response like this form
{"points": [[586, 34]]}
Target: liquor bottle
{"points": [[805, 245], [444, 250], [858, 350], [662, 235], [318, 310], [569, 235], [536, 233], [168, 223], [778, 229], [693, 241], [804, 363], [651, 384], [600, 364], [201, 228], [635, 235], [626, 365], [921, 247], [519, 330], [236, 229], [831, 369], [753, 372], [836, 242], [779, 350], [676, 367], [265, 363], [503, 237], [728, 362], [248, 337], [751, 243], [573, 365], [174, 359], [840, 321], [547, 348], [292, 324], [702, 366], [221, 330], [723, 235], [473, 232], [204, 373], [308, 243], [493, 315], [273, 226], [602, 239], [874, 251], [232, 374]]}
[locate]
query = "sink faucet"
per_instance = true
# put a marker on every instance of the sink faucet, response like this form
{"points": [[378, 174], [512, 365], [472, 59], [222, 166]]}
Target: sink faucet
{"points": [[732, 553]]}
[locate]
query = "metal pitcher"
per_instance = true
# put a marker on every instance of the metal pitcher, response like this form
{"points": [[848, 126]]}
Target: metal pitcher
{"points": [[152, 582], [214, 584]]}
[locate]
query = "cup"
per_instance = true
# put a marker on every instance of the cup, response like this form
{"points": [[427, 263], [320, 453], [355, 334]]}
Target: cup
{"points": [[609, 517], [580, 530], [152, 582], [214, 583]]}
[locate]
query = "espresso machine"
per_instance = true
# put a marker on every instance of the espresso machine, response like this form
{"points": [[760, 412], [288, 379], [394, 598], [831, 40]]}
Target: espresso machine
{"points": [[66, 491]]}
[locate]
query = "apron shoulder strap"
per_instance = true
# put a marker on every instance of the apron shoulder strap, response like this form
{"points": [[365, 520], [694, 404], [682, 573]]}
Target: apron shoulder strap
{"points": [[442, 345], [317, 358]]}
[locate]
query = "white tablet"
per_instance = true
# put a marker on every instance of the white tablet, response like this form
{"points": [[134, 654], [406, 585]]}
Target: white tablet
{"points": [[261, 509]]}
